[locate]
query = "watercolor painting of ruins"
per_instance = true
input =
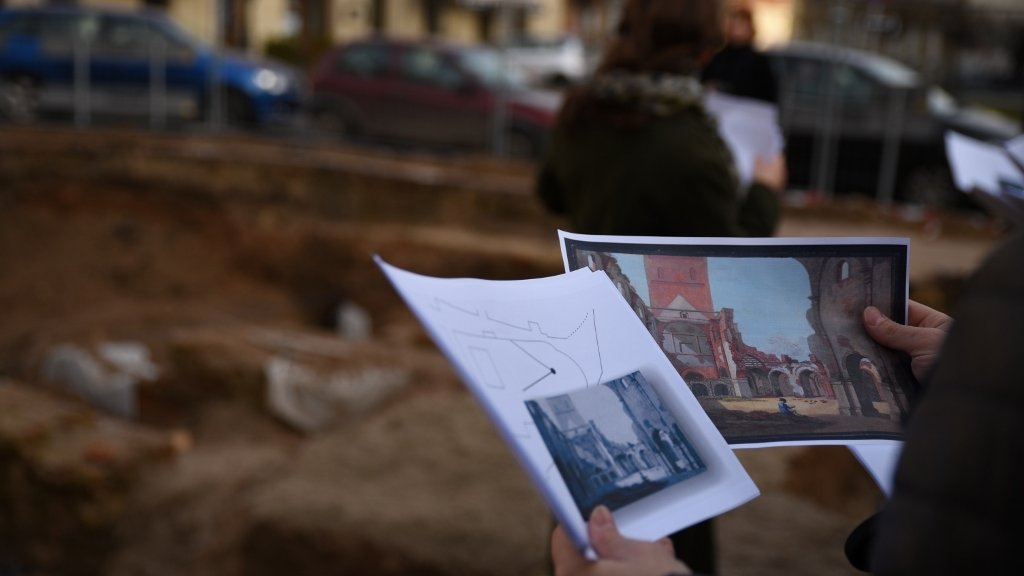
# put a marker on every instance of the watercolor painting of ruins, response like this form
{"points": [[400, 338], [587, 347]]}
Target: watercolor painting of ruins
{"points": [[769, 338]]}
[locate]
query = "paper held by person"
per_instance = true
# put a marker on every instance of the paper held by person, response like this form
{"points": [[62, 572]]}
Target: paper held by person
{"points": [[584, 397]]}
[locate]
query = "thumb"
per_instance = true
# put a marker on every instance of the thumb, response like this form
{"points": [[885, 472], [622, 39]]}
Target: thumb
{"points": [[605, 536], [887, 332]]}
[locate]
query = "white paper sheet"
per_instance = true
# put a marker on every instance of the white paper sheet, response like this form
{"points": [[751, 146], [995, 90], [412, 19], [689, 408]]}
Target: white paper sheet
{"points": [[1015, 148], [988, 171], [834, 406], [880, 461], [979, 165], [517, 341], [749, 127]]}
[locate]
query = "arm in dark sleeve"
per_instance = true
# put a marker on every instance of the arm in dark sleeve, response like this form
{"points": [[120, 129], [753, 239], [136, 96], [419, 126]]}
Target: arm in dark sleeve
{"points": [[957, 502], [549, 189], [759, 212]]}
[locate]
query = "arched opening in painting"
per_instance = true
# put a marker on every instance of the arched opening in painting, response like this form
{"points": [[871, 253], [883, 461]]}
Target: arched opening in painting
{"points": [[844, 270], [757, 378], [808, 380], [862, 383], [721, 390], [780, 383]]}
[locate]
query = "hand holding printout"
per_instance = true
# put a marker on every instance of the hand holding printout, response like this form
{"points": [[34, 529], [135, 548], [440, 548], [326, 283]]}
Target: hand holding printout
{"points": [[756, 325], [584, 397]]}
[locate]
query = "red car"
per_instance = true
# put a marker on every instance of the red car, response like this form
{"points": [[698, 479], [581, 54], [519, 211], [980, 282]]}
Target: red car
{"points": [[429, 92]]}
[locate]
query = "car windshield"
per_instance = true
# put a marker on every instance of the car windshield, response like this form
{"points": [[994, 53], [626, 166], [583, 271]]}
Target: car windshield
{"points": [[487, 65]]}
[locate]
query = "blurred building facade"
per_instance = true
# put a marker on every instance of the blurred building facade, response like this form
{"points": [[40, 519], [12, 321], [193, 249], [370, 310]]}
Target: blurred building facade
{"points": [[254, 25]]}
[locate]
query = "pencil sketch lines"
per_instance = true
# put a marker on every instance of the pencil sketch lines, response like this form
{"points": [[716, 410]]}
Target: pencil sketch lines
{"points": [[439, 304]]}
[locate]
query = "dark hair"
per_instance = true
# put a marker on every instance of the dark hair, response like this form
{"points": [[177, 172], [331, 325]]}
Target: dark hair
{"points": [[654, 36], [664, 36], [742, 13]]}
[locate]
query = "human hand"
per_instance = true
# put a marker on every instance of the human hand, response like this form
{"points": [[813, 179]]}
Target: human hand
{"points": [[771, 172], [921, 337], [617, 555]]}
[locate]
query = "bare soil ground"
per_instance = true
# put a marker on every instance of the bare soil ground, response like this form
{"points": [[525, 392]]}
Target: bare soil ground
{"points": [[214, 287]]}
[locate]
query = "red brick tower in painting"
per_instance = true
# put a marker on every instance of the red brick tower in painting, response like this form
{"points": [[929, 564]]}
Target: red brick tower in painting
{"points": [[670, 277]]}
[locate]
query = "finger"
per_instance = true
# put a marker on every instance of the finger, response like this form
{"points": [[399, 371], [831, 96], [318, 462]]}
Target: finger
{"points": [[921, 315], [666, 543], [612, 545], [887, 332], [564, 555]]}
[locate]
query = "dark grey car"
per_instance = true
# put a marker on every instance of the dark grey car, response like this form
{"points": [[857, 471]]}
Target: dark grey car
{"points": [[858, 122]]}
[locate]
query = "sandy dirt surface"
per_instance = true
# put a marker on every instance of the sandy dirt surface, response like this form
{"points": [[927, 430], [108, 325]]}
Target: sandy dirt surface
{"points": [[210, 287]]}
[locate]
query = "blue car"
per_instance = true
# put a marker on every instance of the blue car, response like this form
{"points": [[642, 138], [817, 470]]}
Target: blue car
{"points": [[108, 62]]}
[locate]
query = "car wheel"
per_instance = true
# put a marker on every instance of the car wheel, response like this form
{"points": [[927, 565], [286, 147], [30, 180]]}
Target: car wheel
{"points": [[19, 99]]}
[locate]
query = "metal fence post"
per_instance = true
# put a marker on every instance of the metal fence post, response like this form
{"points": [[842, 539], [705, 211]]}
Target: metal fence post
{"points": [[157, 82], [891, 146], [499, 132], [82, 89]]}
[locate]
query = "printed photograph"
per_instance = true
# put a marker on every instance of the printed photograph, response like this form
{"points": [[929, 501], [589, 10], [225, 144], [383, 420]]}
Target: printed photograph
{"points": [[614, 443], [769, 338]]}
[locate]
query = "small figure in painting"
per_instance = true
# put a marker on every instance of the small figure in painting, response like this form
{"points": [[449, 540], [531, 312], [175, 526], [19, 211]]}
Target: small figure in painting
{"points": [[786, 408]]}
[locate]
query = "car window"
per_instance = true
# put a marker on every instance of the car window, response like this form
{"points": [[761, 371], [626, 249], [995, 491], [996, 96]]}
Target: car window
{"points": [[124, 37], [17, 25], [60, 33], [423, 65], [138, 38], [805, 78], [363, 60], [808, 79], [853, 86], [488, 68]]}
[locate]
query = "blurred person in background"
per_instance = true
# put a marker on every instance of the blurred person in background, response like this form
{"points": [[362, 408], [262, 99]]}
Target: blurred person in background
{"points": [[634, 152], [738, 68]]}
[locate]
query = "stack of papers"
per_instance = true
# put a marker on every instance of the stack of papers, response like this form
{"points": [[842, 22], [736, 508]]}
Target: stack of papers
{"points": [[628, 380]]}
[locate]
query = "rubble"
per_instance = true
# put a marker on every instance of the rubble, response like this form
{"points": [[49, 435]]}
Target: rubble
{"points": [[76, 370], [310, 401], [66, 473]]}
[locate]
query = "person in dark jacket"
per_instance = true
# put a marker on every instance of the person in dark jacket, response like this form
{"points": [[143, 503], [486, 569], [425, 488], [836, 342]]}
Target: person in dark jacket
{"points": [[739, 69], [634, 152], [957, 503]]}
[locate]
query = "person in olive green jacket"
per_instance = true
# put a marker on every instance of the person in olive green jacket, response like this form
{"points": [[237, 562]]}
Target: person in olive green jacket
{"points": [[634, 152]]}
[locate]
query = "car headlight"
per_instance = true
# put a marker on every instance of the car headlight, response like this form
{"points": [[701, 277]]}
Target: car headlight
{"points": [[270, 81]]}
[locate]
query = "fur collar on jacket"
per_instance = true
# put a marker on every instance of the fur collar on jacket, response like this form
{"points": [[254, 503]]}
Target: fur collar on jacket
{"points": [[657, 94]]}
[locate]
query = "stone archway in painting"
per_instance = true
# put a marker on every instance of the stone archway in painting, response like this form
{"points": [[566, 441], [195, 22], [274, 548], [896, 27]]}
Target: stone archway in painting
{"points": [[863, 385], [722, 389], [757, 377], [780, 385], [810, 382], [698, 385], [758, 380]]}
